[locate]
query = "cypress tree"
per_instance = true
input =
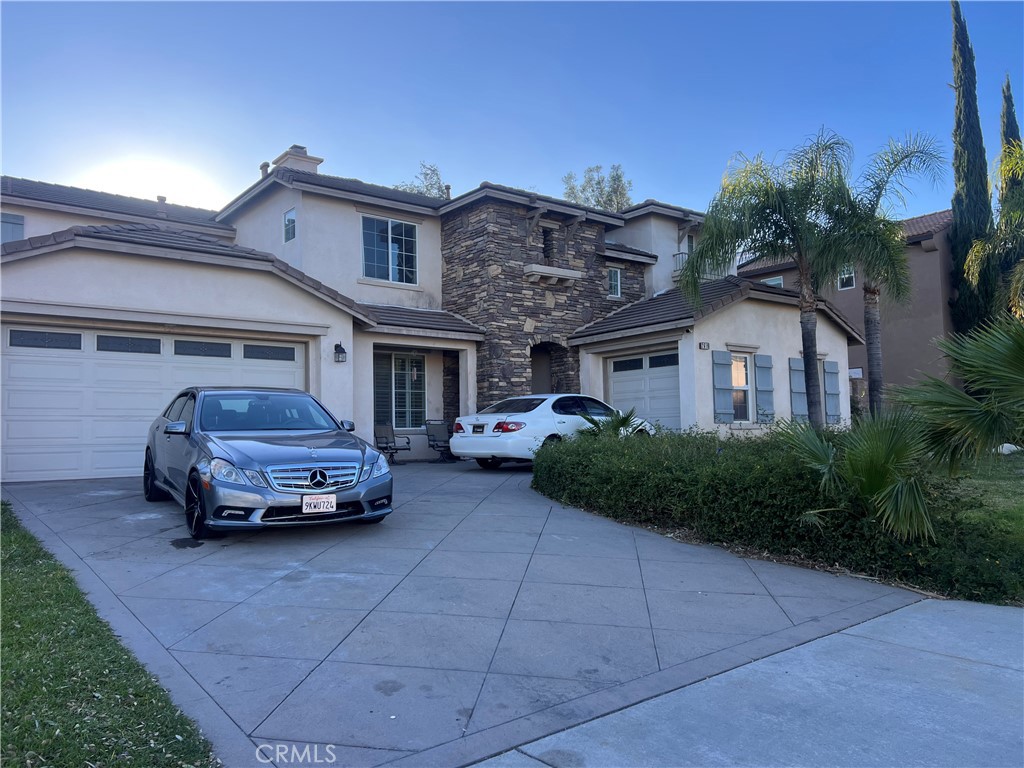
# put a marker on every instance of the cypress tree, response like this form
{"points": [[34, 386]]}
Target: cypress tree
{"points": [[1011, 193], [972, 204], [1010, 134]]}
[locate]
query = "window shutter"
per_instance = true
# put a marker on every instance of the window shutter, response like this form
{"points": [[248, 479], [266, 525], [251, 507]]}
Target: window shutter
{"points": [[798, 389], [832, 413], [721, 362], [764, 399]]}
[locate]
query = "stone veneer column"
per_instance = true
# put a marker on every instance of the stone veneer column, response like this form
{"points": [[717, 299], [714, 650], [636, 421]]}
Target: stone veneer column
{"points": [[486, 247]]}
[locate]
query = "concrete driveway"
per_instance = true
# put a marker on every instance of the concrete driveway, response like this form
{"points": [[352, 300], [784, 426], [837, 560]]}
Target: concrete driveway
{"points": [[477, 618]]}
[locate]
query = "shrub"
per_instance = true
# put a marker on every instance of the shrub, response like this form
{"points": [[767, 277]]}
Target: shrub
{"points": [[755, 492]]}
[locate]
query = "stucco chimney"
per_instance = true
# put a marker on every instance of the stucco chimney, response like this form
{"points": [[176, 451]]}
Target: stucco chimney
{"points": [[447, 191], [264, 169], [298, 158], [161, 204]]}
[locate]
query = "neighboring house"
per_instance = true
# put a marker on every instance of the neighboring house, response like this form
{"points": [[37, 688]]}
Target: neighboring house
{"points": [[908, 330], [34, 208], [390, 306]]}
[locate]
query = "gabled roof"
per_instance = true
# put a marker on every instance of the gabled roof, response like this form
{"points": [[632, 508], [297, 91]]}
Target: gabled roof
{"points": [[336, 186], [925, 227], [13, 190], [672, 309], [532, 200], [140, 237], [665, 209], [422, 319]]}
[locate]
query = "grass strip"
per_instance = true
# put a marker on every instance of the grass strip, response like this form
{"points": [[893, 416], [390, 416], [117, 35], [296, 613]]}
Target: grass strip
{"points": [[72, 694]]}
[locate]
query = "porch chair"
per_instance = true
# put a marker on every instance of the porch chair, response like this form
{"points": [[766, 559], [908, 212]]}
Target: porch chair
{"points": [[437, 438], [387, 443]]}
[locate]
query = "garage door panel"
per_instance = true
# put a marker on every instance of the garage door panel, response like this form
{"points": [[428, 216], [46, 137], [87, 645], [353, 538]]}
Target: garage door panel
{"points": [[42, 370], [42, 399], [123, 401], [118, 462], [108, 374], [652, 392], [43, 464], [18, 428], [122, 429], [79, 413]]}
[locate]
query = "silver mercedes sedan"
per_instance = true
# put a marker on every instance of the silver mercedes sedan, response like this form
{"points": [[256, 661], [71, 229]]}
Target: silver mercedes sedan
{"points": [[252, 458]]}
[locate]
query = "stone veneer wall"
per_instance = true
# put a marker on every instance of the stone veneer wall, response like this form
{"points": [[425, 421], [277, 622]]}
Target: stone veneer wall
{"points": [[485, 248], [450, 387]]}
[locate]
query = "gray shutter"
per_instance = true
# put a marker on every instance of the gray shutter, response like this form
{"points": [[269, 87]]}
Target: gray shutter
{"points": [[764, 399], [832, 413], [721, 362], [798, 389]]}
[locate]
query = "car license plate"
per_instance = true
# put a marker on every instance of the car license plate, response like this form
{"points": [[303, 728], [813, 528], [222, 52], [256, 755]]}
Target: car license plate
{"points": [[478, 429], [323, 502]]}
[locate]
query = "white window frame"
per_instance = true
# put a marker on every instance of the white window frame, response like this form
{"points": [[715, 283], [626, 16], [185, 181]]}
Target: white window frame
{"points": [[409, 412], [290, 227], [615, 282], [846, 276], [775, 282], [393, 268], [748, 361]]}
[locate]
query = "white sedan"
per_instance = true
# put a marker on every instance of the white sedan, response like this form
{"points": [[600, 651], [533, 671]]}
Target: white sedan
{"points": [[513, 429]]}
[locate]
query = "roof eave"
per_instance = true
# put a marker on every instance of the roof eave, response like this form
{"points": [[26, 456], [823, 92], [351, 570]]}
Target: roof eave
{"points": [[531, 201]]}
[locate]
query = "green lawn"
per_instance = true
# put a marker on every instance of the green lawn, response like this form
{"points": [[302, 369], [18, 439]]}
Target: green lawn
{"points": [[999, 482], [72, 694]]}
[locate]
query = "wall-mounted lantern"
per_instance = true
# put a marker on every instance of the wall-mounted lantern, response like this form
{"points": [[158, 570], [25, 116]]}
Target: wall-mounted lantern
{"points": [[340, 355]]}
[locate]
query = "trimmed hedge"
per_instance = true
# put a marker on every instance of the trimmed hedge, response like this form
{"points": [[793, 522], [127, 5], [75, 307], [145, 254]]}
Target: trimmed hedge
{"points": [[753, 492]]}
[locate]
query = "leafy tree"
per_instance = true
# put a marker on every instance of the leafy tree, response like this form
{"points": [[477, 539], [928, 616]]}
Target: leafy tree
{"points": [[972, 205], [877, 242], [609, 193], [1004, 248], [780, 213], [1011, 186], [964, 424], [427, 182]]}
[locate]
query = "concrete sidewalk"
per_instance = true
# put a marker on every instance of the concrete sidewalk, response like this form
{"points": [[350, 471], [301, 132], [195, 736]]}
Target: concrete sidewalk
{"points": [[481, 616], [933, 684]]}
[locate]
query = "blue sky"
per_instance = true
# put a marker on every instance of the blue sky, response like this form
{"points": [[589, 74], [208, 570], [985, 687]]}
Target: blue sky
{"points": [[513, 93]]}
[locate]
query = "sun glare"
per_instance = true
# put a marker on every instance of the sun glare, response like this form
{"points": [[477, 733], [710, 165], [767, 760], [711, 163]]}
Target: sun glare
{"points": [[152, 177]]}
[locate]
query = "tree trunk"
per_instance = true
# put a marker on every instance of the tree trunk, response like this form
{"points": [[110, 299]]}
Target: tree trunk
{"points": [[809, 341], [873, 343]]}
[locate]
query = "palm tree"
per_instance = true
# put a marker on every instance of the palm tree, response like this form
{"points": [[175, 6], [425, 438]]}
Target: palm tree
{"points": [[1004, 248], [964, 424], [876, 241], [780, 213]]}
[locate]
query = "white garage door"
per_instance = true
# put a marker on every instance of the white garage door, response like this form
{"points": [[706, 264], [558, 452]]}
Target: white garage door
{"points": [[77, 403], [648, 383]]}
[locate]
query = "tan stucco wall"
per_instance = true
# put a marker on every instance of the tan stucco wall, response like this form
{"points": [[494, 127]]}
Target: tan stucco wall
{"points": [[908, 330], [329, 245], [658, 235]]}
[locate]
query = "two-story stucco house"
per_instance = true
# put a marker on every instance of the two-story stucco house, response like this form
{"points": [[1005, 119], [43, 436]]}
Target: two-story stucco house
{"points": [[392, 307], [908, 329]]}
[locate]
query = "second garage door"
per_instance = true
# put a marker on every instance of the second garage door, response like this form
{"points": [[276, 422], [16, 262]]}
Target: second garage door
{"points": [[648, 383], [77, 402]]}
